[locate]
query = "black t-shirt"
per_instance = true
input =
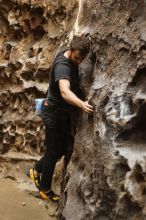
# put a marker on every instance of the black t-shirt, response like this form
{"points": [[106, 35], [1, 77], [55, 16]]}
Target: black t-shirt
{"points": [[62, 68]]}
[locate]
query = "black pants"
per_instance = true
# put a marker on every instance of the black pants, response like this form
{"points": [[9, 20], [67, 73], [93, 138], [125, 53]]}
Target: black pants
{"points": [[57, 139]]}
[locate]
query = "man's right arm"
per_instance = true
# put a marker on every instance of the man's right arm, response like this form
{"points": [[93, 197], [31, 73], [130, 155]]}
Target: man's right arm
{"points": [[71, 98]]}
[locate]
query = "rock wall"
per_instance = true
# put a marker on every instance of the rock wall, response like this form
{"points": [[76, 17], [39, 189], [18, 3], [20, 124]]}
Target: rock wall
{"points": [[30, 34], [108, 168]]}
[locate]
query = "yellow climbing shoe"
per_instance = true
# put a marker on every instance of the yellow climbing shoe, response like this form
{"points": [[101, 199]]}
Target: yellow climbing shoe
{"points": [[50, 196], [35, 177]]}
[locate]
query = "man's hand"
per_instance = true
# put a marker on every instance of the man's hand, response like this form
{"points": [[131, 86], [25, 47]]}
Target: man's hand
{"points": [[87, 107]]}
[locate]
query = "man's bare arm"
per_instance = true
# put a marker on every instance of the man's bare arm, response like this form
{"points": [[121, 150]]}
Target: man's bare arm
{"points": [[71, 98]]}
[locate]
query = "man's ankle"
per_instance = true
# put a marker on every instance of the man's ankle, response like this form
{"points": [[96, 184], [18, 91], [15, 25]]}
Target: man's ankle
{"points": [[47, 191], [36, 172]]}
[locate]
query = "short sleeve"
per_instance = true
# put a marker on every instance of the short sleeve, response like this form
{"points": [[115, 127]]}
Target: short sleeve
{"points": [[61, 71]]}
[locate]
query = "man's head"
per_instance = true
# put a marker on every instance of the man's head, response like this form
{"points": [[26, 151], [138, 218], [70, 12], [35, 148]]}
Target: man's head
{"points": [[79, 47]]}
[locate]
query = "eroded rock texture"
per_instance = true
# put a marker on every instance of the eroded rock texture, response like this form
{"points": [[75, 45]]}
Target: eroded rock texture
{"points": [[30, 34], [107, 171]]}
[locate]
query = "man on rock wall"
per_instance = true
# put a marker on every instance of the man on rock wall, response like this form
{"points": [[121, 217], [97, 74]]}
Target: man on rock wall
{"points": [[57, 110]]}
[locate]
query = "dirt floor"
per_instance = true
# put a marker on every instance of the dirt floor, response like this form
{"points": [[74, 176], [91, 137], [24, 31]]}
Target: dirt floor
{"points": [[16, 204], [19, 198]]}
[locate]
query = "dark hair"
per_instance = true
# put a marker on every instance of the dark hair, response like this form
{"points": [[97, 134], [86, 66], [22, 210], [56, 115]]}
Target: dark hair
{"points": [[81, 44]]}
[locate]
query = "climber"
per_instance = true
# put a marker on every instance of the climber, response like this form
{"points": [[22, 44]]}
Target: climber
{"points": [[57, 113]]}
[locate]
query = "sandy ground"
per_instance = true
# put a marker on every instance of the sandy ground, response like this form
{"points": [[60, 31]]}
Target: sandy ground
{"points": [[16, 204]]}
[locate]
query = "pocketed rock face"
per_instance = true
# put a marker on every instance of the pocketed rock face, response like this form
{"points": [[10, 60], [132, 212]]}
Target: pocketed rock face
{"points": [[108, 166], [108, 177], [30, 34]]}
